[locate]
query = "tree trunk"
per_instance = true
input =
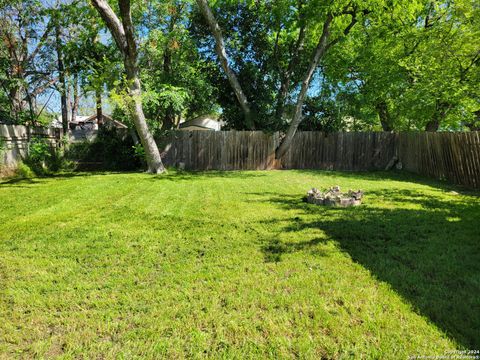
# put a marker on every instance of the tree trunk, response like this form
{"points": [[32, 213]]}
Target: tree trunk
{"points": [[223, 57], [123, 33], [169, 119], [76, 98], [322, 47], [15, 94], [154, 160], [384, 115], [99, 107], [441, 110], [297, 117], [285, 84], [61, 77], [432, 125]]}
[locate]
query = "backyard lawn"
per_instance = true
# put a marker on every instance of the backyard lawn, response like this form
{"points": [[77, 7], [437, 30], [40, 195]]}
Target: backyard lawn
{"points": [[235, 265]]}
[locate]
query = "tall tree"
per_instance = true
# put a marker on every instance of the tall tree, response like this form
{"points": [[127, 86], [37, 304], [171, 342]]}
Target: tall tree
{"points": [[124, 35], [324, 43], [25, 58], [223, 58], [61, 74], [417, 69]]}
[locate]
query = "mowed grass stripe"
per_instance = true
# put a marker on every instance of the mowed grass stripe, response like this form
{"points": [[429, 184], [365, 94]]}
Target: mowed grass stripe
{"points": [[235, 265]]}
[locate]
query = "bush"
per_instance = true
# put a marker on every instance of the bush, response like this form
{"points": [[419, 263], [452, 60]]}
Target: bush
{"points": [[111, 150], [41, 156], [23, 171]]}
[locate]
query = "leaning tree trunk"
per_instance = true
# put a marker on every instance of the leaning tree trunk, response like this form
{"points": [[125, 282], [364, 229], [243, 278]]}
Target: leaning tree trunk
{"points": [[287, 75], [76, 98], [297, 117], [322, 47], [99, 106], [223, 57], [154, 160], [124, 35], [62, 80]]}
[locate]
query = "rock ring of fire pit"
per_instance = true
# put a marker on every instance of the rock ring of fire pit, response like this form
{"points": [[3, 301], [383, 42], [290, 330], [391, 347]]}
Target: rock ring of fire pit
{"points": [[334, 197]]}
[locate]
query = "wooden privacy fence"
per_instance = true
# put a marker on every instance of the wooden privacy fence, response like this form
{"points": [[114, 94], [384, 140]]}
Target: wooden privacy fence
{"points": [[15, 140], [447, 156], [252, 150], [354, 151], [219, 150], [451, 156]]}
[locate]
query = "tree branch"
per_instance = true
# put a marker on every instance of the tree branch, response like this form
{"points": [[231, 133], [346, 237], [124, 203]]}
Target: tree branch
{"points": [[40, 42], [320, 51], [347, 30], [125, 14], [223, 57], [113, 23]]}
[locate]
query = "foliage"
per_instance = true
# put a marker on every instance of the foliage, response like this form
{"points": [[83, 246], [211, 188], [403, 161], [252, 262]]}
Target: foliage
{"points": [[417, 67], [405, 65], [139, 153], [231, 264], [322, 115], [39, 150], [24, 171], [26, 59], [112, 149], [174, 76], [41, 156]]}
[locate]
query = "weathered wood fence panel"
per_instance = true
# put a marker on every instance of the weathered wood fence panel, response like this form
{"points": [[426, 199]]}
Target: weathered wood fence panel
{"points": [[451, 156], [219, 150], [340, 151], [251, 150], [447, 156], [16, 139]]}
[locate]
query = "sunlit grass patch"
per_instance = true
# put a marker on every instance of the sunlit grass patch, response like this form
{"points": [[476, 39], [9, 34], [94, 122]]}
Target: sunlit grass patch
{"points": [[236, 265]]}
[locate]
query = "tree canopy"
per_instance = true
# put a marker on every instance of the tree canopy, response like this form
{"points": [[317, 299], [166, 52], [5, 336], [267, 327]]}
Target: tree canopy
{"points": [[383, 65]]}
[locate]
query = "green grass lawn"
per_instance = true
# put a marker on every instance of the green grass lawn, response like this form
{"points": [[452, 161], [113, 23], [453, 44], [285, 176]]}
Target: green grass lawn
{"points": [[235, 265]]}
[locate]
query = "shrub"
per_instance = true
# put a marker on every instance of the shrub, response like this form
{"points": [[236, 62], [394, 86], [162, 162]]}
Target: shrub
{"points": [[111, 149], [40, 157], [139, 153], [24, 171]]}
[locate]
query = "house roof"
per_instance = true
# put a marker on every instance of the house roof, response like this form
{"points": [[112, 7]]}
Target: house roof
{"points": [[106, 118], [206, 122]]}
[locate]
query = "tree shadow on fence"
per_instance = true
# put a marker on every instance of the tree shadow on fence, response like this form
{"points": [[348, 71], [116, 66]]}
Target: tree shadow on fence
{"points": [[426, 248]]}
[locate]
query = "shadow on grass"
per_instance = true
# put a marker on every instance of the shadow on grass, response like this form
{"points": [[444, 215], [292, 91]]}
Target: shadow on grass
{"points": [[177, 175], [426, 248], [171, 175], [19, 183], [24, 182]]}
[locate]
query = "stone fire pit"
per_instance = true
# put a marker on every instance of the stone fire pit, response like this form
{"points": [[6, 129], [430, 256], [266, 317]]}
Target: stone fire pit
{"points": [[334, 197]]}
